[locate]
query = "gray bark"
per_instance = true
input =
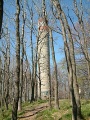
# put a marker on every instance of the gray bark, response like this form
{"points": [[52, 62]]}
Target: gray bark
{"points": [[0, 82], [55, 71], [39, 82], [17, 77], [70, 74], [1, 15], [32, 76], [7, 75], [21, 67]]}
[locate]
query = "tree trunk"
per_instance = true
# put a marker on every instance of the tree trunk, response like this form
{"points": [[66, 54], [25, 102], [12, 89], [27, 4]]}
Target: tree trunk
{"points": [[17, 77], [25, 90], [32, 77], [70, 74], [72, 56], [7, 75], [35, 78], [0, 82], [39, 82], [21, 67], [1, 15], [3, 85], [55, 72], [35, 69]]}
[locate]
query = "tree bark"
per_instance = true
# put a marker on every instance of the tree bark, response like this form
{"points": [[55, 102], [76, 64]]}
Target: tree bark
{"points": [[21, 67], [1, 15], [39, 82], [55, 71], [17, 79], [25, 86], [35, 74], [0, 82], [70, 73], [7, 75], [32, 76]]}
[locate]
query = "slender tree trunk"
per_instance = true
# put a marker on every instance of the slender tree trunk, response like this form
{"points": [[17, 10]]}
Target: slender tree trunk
{"points": [[39, 82], [39, 79], [17, 77], [20, 86], [35, 73], [6, 81], [21, 67], [49, 76], [1, 15], [7, 71], [55, 72], [32, 77], [29, 85], [35, 70], [25, 90], [70, 73], [3, 78], [0, 82]]}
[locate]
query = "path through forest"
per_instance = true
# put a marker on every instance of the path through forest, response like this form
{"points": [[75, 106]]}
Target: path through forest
{"points": [[31, 114]]}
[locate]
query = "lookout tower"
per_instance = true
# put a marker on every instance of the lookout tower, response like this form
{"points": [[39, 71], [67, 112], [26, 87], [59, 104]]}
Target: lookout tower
{"points": [[43, 52]]}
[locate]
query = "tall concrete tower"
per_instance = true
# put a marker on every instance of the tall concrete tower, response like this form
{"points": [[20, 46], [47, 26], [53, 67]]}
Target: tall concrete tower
{"points": [[43, 52]]}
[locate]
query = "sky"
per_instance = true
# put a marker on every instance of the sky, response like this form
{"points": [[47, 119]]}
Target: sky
{"points": [[9, 20]]}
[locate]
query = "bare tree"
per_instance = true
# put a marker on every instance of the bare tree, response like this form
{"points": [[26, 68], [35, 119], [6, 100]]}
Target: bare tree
{"points": [[39, 82], [1, 15], [7, 74], [17, 79], [70, 58], [0, 82], [83, 39], [55, 71], [35, 70], [21, 64], [32, 77]]}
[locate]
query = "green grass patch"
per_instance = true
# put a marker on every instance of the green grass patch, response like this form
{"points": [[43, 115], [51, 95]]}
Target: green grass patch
{"points": [[5, 114], [46, 115], [86, 109], [41, 101], [67, 116], [65, 104]]}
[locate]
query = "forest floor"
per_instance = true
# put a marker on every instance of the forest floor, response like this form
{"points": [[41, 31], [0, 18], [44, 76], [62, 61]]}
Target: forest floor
{"points": [[39, 110], [30, 114]]}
